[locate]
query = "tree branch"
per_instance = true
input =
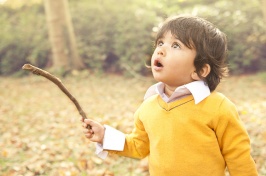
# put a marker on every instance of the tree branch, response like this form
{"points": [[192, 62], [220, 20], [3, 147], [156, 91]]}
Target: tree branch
{"points": [[58, 82]]}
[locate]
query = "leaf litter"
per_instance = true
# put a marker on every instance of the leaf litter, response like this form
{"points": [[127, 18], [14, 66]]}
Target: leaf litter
{"points": [[41, 132]]}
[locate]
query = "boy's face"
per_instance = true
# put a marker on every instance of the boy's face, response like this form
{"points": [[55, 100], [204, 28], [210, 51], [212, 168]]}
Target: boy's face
{"points": [[172, 62]]}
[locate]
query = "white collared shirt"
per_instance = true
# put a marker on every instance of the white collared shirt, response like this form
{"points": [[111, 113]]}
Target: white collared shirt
{"points": [[115, 140], [198, 89]]}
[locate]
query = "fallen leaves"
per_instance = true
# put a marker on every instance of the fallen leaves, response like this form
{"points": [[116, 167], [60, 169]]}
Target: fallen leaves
{"points": [[41, 132]]}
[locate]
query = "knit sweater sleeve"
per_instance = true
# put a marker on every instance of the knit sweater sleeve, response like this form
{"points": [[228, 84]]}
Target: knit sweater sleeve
{"points": [[137, 142], [234, 141]]}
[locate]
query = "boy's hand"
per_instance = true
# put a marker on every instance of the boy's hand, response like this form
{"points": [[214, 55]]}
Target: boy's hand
{"points": [[96, 133]]}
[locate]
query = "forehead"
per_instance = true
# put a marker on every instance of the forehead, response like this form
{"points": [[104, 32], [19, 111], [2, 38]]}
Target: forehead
{"points": [[169, 34], [188, 30], [175, 35]]}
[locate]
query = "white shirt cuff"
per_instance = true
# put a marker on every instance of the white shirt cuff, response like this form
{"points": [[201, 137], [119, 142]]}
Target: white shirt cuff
{"points": [[113, 140], [99, 151]]}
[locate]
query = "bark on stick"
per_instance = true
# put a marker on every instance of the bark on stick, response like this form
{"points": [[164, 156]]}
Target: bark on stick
{"points": [[58, 82]]}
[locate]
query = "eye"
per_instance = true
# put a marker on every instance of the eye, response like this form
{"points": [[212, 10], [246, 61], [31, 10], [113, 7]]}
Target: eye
{"points": [[176, 45], [160, 43]]}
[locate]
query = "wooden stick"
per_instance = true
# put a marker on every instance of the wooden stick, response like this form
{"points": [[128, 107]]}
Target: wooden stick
{"points": [[58, 82]]}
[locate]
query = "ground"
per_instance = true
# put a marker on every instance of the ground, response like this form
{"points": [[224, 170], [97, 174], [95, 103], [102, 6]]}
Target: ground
{"points": [[41, 132]]}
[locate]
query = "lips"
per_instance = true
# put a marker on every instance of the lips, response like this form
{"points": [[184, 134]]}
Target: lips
{"points": [[157, 65]]}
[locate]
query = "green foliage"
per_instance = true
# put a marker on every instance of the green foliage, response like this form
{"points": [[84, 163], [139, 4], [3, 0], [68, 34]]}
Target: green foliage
{"points": [[117, 35], [122, 32], [262, 76], [245, 30], [23, 38], [242, 21]]}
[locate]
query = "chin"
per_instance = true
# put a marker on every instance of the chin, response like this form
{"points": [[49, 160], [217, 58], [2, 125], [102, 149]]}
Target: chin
{"points": [[157, 78]]}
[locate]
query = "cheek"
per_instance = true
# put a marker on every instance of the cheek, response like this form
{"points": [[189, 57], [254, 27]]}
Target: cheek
{"points": [[182, 66], [152, 57], [187, 61]]}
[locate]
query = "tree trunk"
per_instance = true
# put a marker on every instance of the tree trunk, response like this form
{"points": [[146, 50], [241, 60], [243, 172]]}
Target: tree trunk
{"points": [[61, 35]]}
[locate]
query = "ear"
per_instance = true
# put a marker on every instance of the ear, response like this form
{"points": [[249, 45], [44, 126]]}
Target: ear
{"points": [[206, 69]]}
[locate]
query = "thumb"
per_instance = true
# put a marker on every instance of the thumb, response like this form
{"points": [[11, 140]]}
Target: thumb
{"points": [[87, 121], [92, 123]]}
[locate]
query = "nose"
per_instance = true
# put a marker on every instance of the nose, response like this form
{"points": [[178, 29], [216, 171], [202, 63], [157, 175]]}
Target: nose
{"points": [[161, 51]]}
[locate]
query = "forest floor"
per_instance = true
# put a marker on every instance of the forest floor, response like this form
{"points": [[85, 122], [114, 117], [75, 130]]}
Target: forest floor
{"points": [[41, 132]]}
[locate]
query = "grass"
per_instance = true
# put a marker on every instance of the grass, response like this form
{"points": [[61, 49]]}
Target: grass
{"points": [[41, 132]]}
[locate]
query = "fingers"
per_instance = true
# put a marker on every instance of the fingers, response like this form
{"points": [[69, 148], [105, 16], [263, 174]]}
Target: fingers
{"points": [[96, 131], [86, 123], [88, 133]]}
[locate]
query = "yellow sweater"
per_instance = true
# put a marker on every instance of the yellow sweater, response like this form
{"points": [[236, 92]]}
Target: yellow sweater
{"points": [[184, 139]]}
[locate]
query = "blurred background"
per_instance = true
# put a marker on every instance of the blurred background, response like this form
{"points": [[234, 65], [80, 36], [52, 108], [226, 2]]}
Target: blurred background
{"points": [[117, 35], [99, 48]]}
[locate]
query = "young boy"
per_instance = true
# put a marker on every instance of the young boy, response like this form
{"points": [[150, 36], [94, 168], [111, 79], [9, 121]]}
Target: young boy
{"points": [[184, 126]]}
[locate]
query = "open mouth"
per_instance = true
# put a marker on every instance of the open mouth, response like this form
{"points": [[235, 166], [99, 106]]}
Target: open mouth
{"points": [[157, 63]]}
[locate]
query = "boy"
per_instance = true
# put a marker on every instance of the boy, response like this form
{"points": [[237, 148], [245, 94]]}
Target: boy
{"points": [[184, 126]]}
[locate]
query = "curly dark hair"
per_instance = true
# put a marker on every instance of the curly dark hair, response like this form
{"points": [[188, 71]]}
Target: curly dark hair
{"points": [[208, 41]]}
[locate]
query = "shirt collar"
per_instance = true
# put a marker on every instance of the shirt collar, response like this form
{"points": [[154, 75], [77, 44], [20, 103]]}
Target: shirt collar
{"points": [[198, 89]]}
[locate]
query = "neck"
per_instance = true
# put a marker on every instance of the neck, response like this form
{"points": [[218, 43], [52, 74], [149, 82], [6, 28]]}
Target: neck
{"points": [[168, 90]]}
